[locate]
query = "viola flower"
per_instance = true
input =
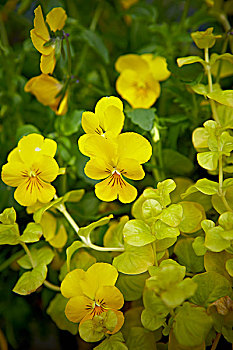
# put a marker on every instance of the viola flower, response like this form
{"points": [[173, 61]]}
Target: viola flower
{"points": [[91, 293], [56, 19], [113, 161], [46, 89], [107, 121], [31, 167], [139, 78]]}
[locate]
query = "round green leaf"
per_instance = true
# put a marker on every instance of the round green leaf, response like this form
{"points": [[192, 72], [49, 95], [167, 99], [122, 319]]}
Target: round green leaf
{"points": [[137, 233]]}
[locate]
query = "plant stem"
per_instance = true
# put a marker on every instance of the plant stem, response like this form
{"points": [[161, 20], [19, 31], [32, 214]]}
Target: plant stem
{"points": [[92, 27], [220, 175], [216, 340], [224, 48], [11, 259], [185, 13], [68, 55], [226, 203], [155, 256], [87, 242], [3, 342], [208, 71], [52, 286]]}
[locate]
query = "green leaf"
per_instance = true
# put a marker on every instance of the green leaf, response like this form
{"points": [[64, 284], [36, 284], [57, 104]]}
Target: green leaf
{"points": [[32, 233], [131, 286], [42, 256], [208, 160], [229, 267], [215, 57], [56, 311], [114, 235], [191, 325], [137, 233], [114, 342], [200, 138], [142, 117], [214, 240], [189, 60], [70, 251], [139, 338], [210, 287], [216, 262], [199, 246], [224, 97], [95, 41], [134, 260], [151, 208], [193, 214], [207, 186], [200, 89], [9, 234], [226, 142], [73, 196], [176, 163], [8, 216], [38, 214], [30, 281], [162, 230], [70, 122], [86, 231], [155, 311], [187, 257], [177, 294], [172, 215], [151, 320]]}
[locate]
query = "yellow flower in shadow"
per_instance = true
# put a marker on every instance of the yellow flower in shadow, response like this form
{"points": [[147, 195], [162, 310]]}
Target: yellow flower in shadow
{"points": [[56, 19], [139, 78], [31, 167], [48, 91], [113, 161], [92, 293]]}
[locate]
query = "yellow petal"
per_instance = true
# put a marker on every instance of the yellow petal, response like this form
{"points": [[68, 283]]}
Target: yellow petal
{"points": [[56, 18], [26, 193], [90, 123], [131, 168], [13, 173], [105, 192], [98, 147], [39, 42], [14, 156], [110, 296], [97, 169], [47, 63], [63, 105], [120, 322], [133, 62], [45, 88], [30, 147], [158, 66], [60, 239], [112, 120], [70, 286], [134, 146], [39, 24], [49, 225], [77, 308], [127, 193], [49, 147], [99, 274], [47, 167], [45, 193]]}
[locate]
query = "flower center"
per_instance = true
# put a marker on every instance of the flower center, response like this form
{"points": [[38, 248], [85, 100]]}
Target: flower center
{"points": [[31, 173]]}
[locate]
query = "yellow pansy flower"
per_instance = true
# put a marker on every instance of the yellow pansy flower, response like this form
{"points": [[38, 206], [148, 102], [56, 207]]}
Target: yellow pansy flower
{"points": [[53, 231], [139, 78], [107, 121], [114, 160], [56, 19], [46, 90], [91, 293], [31, 167]]}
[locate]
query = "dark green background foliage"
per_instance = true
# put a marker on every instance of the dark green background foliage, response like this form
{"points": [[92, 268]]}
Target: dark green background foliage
{"points": [[99, 34]]}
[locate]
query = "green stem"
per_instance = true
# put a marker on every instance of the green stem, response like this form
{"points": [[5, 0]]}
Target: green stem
{"points": [[92, 27], [228, 208], [87, 242], [220, 175], [208, 71], [52, 286], [216, 340], [185, 13], [11, 259], [68, 55], [155, 255]]}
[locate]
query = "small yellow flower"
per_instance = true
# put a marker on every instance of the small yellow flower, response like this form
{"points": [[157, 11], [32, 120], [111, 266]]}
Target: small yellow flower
{"points": [[31, 167], [139, 78], [46, 89], [53, 231], [91, 293], [56, 19], [113, 160]]}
